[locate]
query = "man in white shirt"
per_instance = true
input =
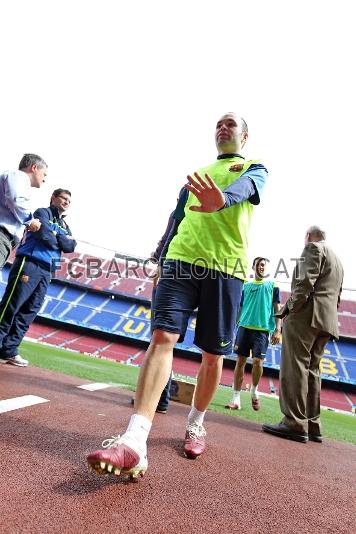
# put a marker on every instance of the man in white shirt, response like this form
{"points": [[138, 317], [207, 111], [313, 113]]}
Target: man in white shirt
{"points": [[15, 194]]}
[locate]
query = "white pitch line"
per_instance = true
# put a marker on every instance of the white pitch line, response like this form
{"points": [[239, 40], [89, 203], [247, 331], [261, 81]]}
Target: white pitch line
{"points": [[8, 405], [94, 387]]}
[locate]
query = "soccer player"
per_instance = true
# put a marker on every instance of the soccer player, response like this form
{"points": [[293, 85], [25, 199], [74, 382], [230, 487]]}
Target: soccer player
{"points": [[260, 301], [204, 269]]}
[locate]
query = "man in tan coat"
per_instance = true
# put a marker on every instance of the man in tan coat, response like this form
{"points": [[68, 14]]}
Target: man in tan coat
{"points": [[310, 318]]}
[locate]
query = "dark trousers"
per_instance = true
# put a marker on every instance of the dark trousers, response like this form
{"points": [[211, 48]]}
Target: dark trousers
{"points": [[24, 294], [302, 350], [165, 396]]}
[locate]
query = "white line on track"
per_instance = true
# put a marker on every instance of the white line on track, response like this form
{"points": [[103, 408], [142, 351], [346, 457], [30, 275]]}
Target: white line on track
{"points": [[94, 387], [7, 405]]}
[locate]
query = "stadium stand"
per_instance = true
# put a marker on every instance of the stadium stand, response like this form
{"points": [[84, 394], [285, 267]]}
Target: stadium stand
{"points": [[86, 344], [120, 307], [117, 275], [139, 284], [124, 275]]}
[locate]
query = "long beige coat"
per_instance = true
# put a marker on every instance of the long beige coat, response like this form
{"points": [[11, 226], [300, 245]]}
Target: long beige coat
{"points": [[317, 279], [311, 317]]}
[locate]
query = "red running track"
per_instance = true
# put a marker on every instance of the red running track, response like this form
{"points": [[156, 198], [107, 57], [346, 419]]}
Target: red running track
{"points": [[246, 481]]}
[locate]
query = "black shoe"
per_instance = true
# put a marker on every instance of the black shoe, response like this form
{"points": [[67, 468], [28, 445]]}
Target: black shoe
{"points": [[284, 431], [318, 438], [159, 409]]}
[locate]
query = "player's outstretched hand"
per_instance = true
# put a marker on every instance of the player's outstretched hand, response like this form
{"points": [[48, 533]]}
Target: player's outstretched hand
{"points": [[210, 196]]}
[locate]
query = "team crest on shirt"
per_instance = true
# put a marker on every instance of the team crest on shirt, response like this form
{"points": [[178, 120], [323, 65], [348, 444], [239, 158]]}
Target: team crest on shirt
{"points": [[237, 167], [25, 278]]}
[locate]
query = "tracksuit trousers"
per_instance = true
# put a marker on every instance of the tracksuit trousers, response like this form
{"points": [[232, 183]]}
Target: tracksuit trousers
{"points": [[24, 295]]}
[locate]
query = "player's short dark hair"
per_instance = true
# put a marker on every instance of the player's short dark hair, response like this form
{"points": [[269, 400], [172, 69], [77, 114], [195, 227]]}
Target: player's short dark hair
{"points": [[31, 159], [58, 192], [258, 259]]}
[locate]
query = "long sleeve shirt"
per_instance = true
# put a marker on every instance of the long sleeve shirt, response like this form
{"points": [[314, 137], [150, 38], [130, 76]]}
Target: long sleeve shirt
{"points": [[15, 194], [248, 187]]}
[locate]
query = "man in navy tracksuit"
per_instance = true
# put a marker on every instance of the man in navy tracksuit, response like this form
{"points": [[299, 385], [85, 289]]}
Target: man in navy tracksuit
{"points": [[37, 257]]}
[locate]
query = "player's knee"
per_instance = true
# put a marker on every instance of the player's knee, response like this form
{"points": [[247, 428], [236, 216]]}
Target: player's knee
{"points": [[160, 337], [257, 362], [212, 360]]}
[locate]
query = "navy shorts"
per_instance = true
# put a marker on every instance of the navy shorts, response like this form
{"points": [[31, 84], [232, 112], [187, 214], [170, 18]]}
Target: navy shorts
{"points": [[251, 341], [184, 287]]}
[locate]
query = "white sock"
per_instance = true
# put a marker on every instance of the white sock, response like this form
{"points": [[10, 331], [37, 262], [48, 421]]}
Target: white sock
{"points": [[254, 391], [236, 396], [195, 416], [139, 428]]}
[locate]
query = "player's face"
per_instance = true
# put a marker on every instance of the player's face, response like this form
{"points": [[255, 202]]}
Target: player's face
{"points": [[226, 129], [259, 268], [228, 136]]}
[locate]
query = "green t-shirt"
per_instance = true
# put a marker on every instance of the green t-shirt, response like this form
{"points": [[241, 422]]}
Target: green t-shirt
{"points": [[257, 308], [216, 240]]}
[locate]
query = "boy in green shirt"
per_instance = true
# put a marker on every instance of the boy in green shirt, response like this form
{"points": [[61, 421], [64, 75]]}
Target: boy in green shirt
{"points": [[259, 303]]}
